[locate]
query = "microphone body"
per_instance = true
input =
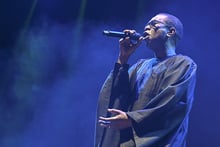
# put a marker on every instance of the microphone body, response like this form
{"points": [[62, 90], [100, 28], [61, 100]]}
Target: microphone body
{"points": [[134, 36]]}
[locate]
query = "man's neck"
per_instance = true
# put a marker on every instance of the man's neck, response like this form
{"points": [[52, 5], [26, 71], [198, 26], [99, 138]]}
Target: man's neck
{"points": [[163, 53]]}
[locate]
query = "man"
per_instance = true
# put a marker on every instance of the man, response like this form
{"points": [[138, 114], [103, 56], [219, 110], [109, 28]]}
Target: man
{"points": [[148, 104]]}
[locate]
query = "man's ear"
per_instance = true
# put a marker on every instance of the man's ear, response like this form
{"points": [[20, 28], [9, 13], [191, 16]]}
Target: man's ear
{"points": [[171, 32]]}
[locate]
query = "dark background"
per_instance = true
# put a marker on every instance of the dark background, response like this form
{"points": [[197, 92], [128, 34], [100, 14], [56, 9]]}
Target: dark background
{"points": [[54, 59]]}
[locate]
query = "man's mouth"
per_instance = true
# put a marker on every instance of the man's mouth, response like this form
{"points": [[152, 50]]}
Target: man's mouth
{"points": [[146, 37]]}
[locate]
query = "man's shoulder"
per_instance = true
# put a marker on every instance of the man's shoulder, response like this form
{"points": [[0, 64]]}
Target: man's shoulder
{"points": [[184, 58], [184, 62]]}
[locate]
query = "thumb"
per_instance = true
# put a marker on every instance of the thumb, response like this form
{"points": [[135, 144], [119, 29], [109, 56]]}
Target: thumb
{"points": [[114, 111]]}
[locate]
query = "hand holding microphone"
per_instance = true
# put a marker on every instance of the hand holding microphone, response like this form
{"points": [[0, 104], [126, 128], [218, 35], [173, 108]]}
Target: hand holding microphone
{"points": [[129, 42]]}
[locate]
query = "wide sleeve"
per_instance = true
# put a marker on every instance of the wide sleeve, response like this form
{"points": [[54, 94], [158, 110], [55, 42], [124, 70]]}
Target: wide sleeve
{"points": [[120, 85], [110, 96], [169, 107]]}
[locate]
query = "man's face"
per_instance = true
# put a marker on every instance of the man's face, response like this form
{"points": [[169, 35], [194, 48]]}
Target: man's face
{"points": [[155, 31]]}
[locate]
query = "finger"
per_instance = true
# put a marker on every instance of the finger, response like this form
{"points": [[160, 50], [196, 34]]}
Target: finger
{"points": [[107, 118], [105, 126], [132, 31], [124, 41], [104, 122], [127, 39], [121, 40], [127, 31], [114, 111]]}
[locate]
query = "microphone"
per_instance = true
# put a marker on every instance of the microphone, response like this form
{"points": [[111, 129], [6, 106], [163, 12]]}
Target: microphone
{"points": [[134, 36]]}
